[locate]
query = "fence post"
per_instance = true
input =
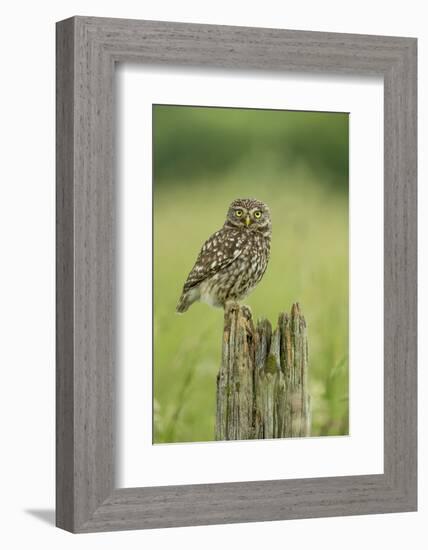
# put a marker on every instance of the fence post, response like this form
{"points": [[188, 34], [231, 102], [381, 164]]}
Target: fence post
{"points": [[262, 385]]}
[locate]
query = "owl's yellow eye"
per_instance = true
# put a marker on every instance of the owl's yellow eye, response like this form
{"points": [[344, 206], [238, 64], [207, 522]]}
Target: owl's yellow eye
{"points": [[238, 213], [257, 214]]}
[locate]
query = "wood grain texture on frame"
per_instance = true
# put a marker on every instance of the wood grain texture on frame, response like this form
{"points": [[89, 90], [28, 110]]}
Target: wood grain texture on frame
{"points": [[87, 50]]}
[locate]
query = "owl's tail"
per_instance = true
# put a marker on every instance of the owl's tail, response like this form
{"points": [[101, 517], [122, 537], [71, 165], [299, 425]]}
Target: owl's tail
{"points": [[183, 304], [186, 300]]}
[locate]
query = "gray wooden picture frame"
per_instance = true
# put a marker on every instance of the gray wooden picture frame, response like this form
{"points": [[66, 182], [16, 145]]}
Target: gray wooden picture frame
{"points": [[87, 51]]}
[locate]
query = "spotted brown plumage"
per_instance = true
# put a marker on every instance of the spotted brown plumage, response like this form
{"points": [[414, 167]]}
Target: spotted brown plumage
{"points": [[233, 260]]}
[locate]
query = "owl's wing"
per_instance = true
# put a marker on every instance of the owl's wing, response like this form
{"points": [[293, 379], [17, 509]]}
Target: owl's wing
{"points": [[219, 251]]}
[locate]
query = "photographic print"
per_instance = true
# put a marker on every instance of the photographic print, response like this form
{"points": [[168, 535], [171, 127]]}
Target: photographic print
{"points": [[250, 305]]}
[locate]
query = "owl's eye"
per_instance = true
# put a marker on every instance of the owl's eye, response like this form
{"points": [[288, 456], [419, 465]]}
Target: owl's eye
{"points": [[257, 214], [238, 213]]}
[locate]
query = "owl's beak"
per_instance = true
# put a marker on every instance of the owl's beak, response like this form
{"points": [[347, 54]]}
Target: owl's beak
{"points": [[247, 221]]}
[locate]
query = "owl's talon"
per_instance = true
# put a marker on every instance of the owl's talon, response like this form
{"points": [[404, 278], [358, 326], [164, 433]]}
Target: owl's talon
{"points": [[231, 305], [246, 311]]}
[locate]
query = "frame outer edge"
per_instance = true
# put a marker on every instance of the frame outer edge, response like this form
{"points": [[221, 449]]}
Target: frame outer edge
{"points": [[65, 109], [400, 315], [94, 275]]}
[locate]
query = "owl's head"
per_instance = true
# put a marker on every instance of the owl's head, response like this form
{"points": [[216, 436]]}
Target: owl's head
{"points": [[249, 214]]}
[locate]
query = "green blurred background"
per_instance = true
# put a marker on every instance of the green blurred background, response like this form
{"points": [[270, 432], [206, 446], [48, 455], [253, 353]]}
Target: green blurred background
{"points": [[296, 162]]}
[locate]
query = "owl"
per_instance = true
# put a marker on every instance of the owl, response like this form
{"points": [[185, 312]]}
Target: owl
{"points": [[233, 260]]}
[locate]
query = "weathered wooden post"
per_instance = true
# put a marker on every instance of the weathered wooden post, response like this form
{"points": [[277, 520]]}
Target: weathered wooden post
{"points": [[262, 385]]}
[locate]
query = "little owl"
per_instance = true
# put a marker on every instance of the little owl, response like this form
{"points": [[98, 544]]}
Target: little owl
{"points": [[233, 260]]}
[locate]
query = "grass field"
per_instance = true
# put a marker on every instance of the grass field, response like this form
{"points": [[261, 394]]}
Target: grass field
{"points": [[309, 264]]}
